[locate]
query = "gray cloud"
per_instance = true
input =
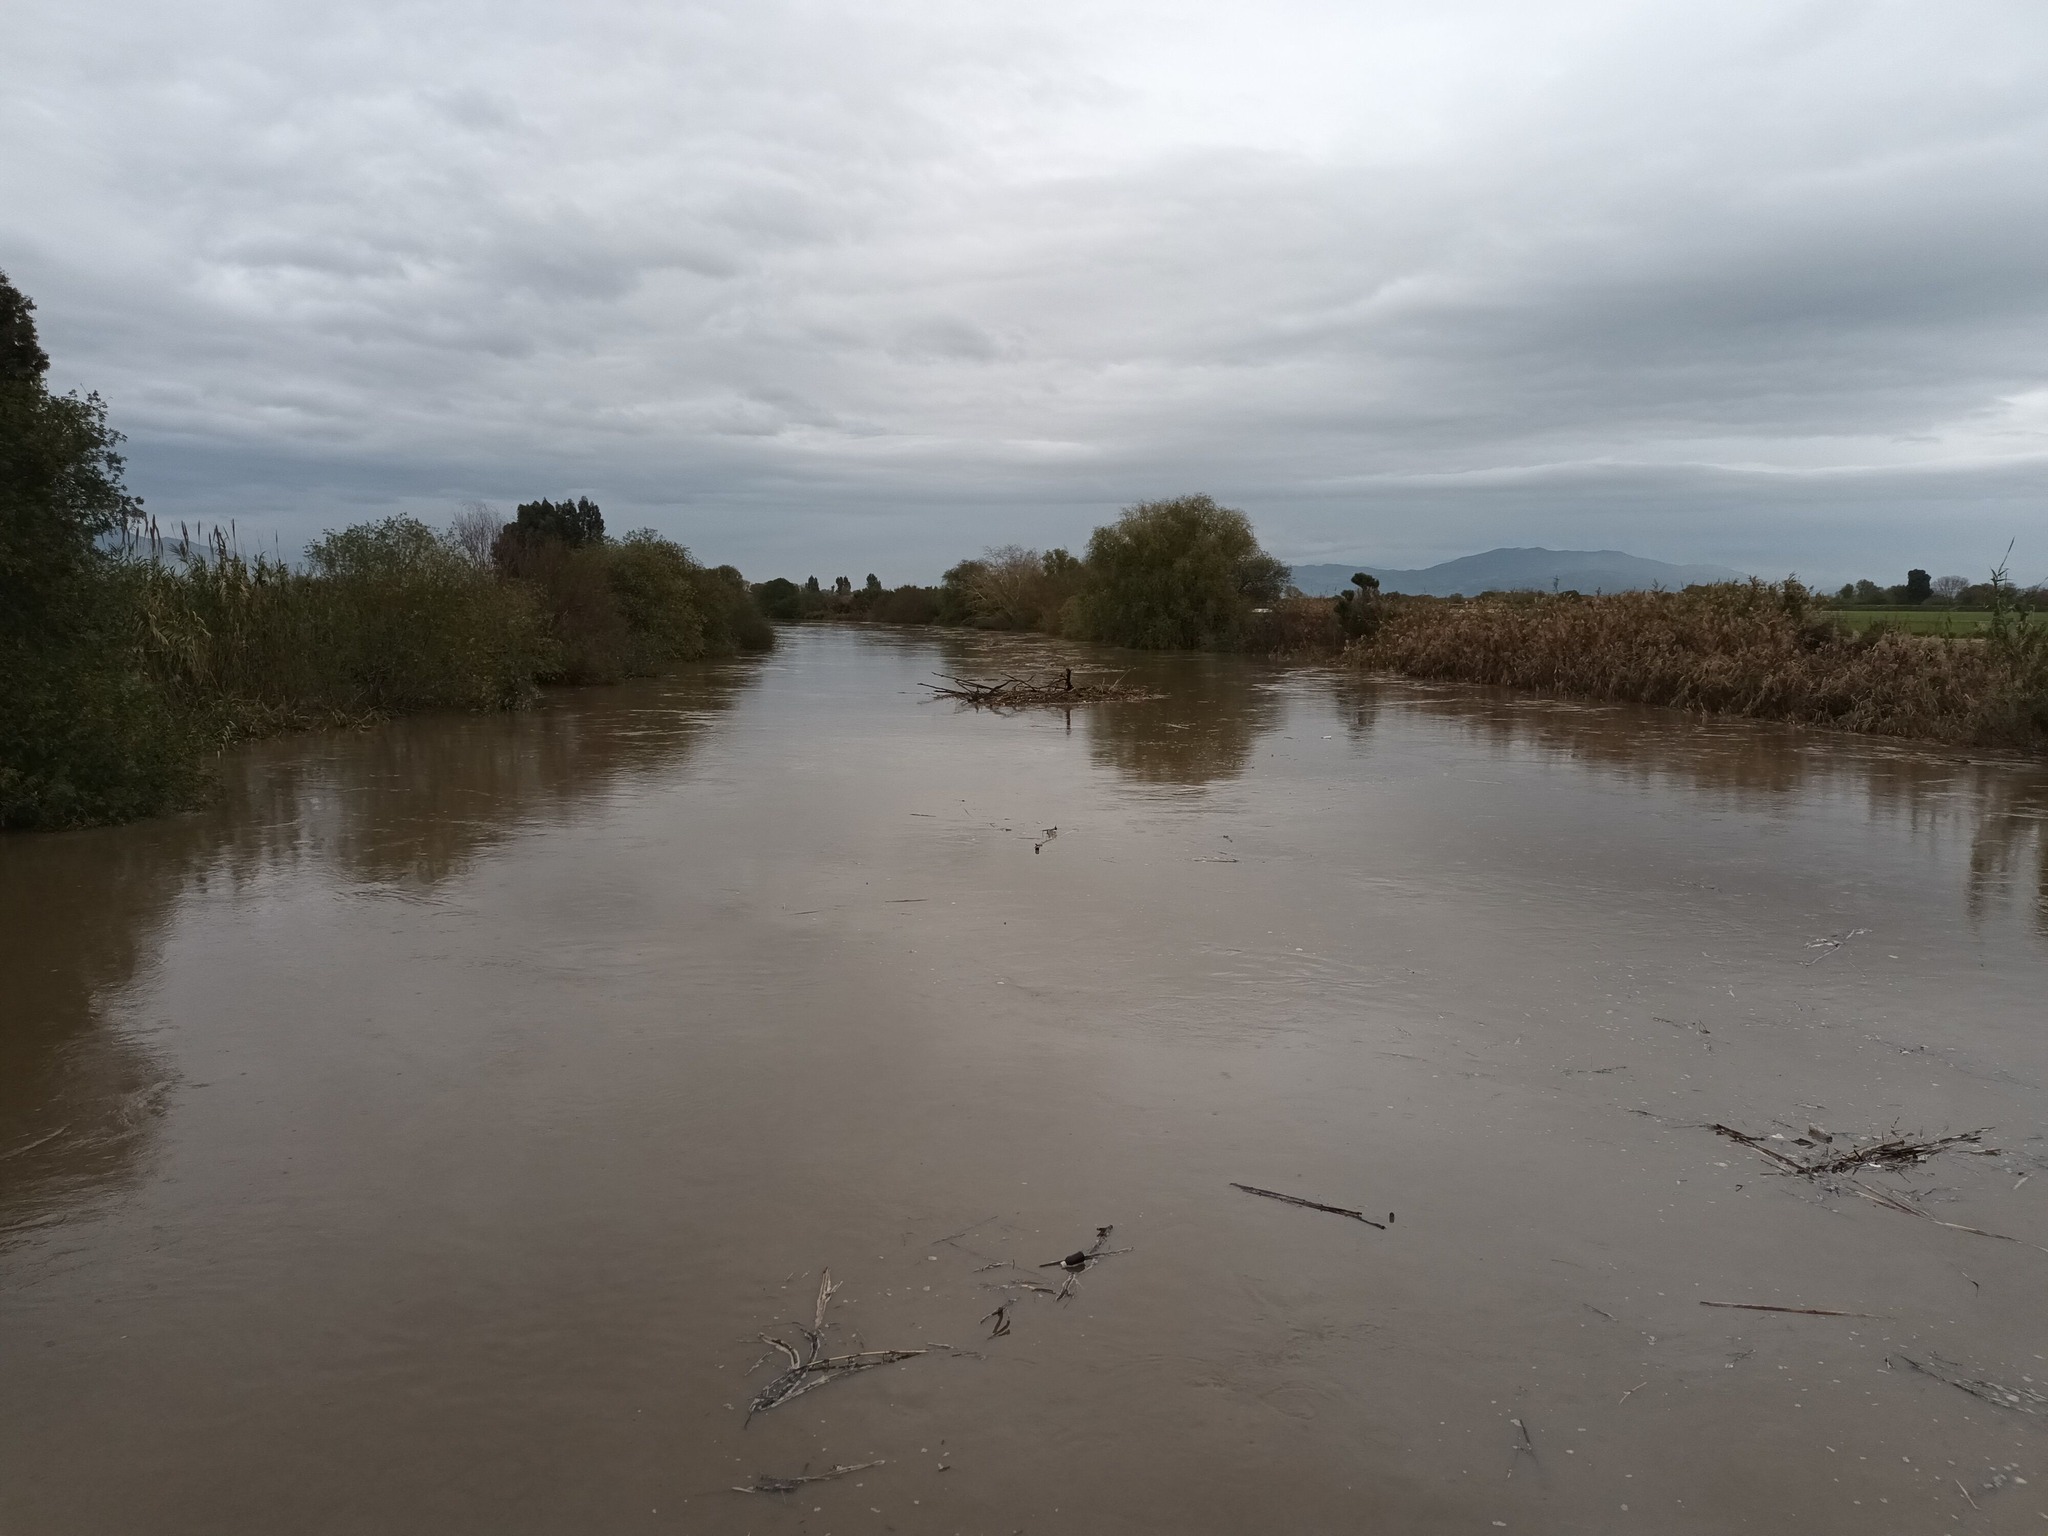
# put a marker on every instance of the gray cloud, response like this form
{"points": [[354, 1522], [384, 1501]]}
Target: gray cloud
{"points": [[834, 286]]}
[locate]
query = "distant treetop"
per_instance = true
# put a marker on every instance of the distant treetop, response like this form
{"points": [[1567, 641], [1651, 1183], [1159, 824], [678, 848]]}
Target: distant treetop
{"points": [[574, 523], [22, 358]]}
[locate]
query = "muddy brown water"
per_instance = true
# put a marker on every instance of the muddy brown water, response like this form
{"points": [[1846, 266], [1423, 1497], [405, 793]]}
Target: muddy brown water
{"points": [[421, 1139]]}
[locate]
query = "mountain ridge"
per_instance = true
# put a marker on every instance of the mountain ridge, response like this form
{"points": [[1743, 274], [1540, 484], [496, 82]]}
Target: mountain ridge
{"points": [[1519, 570]]}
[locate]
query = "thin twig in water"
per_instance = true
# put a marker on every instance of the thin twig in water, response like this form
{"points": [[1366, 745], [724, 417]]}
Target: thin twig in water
{"points": [[2017, 1399], [1892, 1202], [1963, 1491], [763, 1483], [1527, 1446], [1758, 1306], [950, 1236], [1632, 1391], [1314, 1205]]}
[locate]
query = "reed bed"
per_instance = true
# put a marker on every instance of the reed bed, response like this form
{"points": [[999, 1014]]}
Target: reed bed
{"points": [[1764, 650]]}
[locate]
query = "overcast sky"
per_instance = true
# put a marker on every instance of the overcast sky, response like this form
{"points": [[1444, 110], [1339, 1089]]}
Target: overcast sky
{"points": [[847, 285]]}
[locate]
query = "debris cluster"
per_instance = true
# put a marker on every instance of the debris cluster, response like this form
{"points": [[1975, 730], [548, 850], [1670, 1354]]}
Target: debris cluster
{"points": [[1825, 1157], [1057, 689]]}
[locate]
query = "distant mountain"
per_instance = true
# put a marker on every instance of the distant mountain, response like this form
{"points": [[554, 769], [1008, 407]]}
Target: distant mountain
{"points": [[1520, 570]]}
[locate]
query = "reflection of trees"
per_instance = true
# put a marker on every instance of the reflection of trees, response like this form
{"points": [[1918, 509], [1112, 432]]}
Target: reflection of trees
{"points": [[411, 802], [2002, 806], [1212, 711]]}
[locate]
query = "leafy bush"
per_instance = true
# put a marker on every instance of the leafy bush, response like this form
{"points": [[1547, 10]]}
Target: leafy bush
{"points": [[1183, 574]]}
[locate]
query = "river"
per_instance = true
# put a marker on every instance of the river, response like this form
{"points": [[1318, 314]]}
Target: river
{"points": [[423, 1137]]}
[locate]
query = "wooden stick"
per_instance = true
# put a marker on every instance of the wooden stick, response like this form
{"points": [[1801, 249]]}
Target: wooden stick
{"points": [[1314, 1205], [1758, 1306]]}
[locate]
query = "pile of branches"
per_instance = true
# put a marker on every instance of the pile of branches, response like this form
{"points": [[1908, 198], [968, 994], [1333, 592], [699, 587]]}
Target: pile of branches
{"points": [[1057, 689], [1825, 1157]]}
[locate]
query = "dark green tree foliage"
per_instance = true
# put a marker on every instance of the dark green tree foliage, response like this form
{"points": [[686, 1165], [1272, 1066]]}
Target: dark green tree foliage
{"points": [[1919, 587], [83, 737], [1359, 612], [1184, 574], [780, 599], [574, 523]]}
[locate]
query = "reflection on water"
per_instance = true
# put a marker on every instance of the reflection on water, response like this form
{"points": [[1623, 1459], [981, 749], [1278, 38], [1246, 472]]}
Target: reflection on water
{"points": [[2001, 806], [79, 914], [408, 804], [1203, 728]]}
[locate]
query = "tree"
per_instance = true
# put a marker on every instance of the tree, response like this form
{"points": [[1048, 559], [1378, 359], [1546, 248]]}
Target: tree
{"points": [[1950, 588], [1359, 612], [539, 525], [1919, 586], [780, 599], [474, 533], [1180, 574], [83, 734], [873, 586]]}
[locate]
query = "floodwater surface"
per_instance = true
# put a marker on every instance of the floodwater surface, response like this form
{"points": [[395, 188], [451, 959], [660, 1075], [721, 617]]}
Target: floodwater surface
{"points": [[424, 1138]]}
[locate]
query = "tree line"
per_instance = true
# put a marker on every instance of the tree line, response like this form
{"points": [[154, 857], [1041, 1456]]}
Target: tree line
{"points": [[1178, 574], [129, 656]]}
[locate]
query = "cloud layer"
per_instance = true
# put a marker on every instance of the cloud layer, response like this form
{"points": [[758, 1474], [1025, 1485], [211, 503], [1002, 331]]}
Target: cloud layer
{"points": [[824, 286]]}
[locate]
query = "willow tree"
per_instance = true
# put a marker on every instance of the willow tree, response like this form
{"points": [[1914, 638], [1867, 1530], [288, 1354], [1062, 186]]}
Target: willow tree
{"points": [[1184, 574]]}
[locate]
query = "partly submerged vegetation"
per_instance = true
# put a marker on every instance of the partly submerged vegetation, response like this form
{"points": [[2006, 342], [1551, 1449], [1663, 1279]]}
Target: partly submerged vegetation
{"points": [[1769, 651], [126, 659]]}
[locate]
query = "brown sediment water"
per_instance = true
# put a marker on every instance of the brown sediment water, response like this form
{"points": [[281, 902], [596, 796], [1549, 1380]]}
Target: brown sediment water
{"points": [[421, 1138]]}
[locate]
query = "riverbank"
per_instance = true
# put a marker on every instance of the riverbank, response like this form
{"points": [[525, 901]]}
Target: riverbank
{"points": [[1762, 651], [177, 651]]}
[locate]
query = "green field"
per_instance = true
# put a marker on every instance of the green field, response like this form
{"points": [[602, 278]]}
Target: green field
{"points": [[1918, 621]]}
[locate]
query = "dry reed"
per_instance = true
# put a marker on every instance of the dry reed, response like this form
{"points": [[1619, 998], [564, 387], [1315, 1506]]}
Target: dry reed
{"points": [[1757, 649]]}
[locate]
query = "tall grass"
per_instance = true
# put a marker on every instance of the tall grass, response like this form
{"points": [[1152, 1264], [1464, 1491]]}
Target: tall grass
{"points": [[385, 618], [1764, 650], [195, 645]]}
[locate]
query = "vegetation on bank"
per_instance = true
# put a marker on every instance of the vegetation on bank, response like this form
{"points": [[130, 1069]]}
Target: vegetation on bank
{"points": [[126, 659], [1180, 574], [1768, 651]]}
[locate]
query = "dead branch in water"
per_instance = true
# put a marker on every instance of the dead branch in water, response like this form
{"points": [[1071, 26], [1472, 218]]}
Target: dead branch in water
{"points": [[763, 1483], [1057, 689], [1891, 1152], [1084, 1258], [814, 1368], [1758, 1306], [1314, 1205]]}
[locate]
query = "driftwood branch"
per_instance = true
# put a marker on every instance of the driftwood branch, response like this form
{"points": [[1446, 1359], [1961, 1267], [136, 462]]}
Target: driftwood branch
{"points": [[1057, 690], [763, 1483], [1314, 1205]]}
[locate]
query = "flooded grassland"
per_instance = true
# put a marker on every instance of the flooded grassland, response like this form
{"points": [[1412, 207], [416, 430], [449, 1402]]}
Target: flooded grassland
{"points": [[424, 1138]]}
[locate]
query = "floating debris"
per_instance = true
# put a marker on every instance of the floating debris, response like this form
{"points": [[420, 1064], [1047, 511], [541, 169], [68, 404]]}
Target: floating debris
{"points": [[814, 1368], [1314, 1205], [2018, 1399], [1758, 1306], [763, 1483], [1888, 1152], [1058, 690], [1086, 1258]]}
